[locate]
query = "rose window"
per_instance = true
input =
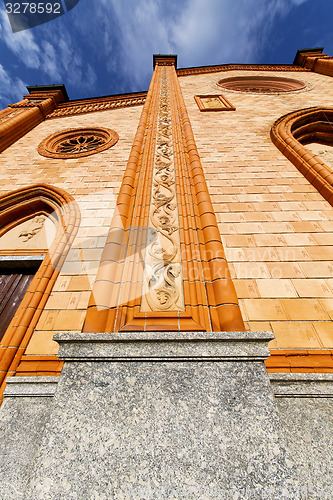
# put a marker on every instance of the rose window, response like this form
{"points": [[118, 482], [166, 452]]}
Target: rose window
{"points": [[73, 143], [261, 84]]}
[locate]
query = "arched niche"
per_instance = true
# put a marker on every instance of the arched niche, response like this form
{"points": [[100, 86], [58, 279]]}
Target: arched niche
{"points": [[292, 132], [19, 209]]}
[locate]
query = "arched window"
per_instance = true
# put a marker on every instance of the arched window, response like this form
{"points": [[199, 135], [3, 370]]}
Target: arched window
{"points": [[23, 213]]}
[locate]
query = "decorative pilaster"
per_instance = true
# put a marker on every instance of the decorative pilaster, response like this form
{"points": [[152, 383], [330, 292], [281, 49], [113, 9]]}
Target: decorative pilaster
{"points": [[162, 285], [163, 266]]}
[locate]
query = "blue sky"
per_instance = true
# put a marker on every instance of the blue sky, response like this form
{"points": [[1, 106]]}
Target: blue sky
{"points": [[105, 47]]}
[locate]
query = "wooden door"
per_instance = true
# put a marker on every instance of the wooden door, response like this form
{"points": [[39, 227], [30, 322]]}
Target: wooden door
{"points": [[12, 290]]}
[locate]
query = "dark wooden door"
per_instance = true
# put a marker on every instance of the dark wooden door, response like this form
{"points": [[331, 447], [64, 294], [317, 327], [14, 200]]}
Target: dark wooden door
{"points": [[12, 290]]}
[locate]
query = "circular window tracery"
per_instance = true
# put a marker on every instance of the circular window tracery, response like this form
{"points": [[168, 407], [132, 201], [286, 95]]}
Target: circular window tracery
{"points": [[261, 84], [77, 142]]}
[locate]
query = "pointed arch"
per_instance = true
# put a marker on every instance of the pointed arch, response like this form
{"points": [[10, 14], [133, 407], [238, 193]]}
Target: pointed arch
{"points": [[293, 131], [15, 208]]}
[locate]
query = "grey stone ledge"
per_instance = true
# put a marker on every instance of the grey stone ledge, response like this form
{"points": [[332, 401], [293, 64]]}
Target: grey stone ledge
{"points": [[164, 346], [302, 385], [20, 387]]}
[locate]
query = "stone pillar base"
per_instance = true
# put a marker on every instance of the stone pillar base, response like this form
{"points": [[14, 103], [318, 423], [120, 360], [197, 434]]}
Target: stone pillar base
{"points": [[163, 416]]}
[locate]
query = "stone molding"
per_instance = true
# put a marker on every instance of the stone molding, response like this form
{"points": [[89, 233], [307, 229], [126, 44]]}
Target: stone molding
{"points": [[22, 387], [209, 295], [85, 106], [164, 346], [302, 385], [232, 67], [163, 280], [315, 60]]}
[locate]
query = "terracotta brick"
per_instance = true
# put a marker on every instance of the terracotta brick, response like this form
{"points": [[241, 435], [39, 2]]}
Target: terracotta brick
{"points": [[317, 269], [69, 320], [78, 283], [265, 309], [327, 304], [251, 270], [304, 309], [276, 288], [321, 252], [280, 270], [296, 334], [42, 343], [312, 288], [246, 288]]}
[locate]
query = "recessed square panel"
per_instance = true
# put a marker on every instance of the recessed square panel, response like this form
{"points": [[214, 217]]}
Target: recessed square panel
{"points": [[213, 102]]}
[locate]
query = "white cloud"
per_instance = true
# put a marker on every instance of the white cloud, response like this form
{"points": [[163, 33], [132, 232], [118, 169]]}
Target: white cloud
{"points": [[11, 89], [199, 31], [121, 36], [49, 61], [22, 43]]}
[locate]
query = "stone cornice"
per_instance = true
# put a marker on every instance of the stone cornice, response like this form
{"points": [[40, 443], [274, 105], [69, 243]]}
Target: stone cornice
{"points": [[244, 67], [92, 105]]}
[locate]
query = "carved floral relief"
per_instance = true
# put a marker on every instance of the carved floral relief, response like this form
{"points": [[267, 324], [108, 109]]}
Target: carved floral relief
{"points": [[162, 289]]}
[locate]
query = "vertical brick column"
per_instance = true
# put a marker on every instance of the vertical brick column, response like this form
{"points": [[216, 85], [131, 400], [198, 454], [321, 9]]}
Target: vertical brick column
{"points": [[315, 60], [163, 200], [18, 119]]}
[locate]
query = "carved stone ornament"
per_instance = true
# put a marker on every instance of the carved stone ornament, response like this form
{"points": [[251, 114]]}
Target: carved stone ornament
{"points": [[163, 273], [77, 142], [35, 227]]}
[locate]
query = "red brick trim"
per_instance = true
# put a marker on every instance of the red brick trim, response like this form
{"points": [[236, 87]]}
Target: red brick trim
{"points": [[17, 126], [300, 360]]}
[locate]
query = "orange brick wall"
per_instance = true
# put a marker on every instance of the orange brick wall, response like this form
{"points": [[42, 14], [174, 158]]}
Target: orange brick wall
{"points": [[94, 182], [276, 228]]}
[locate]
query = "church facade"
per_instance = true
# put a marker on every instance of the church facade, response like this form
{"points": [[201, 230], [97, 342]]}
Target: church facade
{"points": [[167, 286]]}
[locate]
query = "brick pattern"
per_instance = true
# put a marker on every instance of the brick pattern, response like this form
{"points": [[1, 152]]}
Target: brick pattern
{"points": [[275, 226], [94, 184]]}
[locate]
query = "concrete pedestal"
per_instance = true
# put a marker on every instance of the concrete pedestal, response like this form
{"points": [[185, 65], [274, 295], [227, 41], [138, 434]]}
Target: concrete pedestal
{"points": [[23, 416], [163, 416], [305, 406]]}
